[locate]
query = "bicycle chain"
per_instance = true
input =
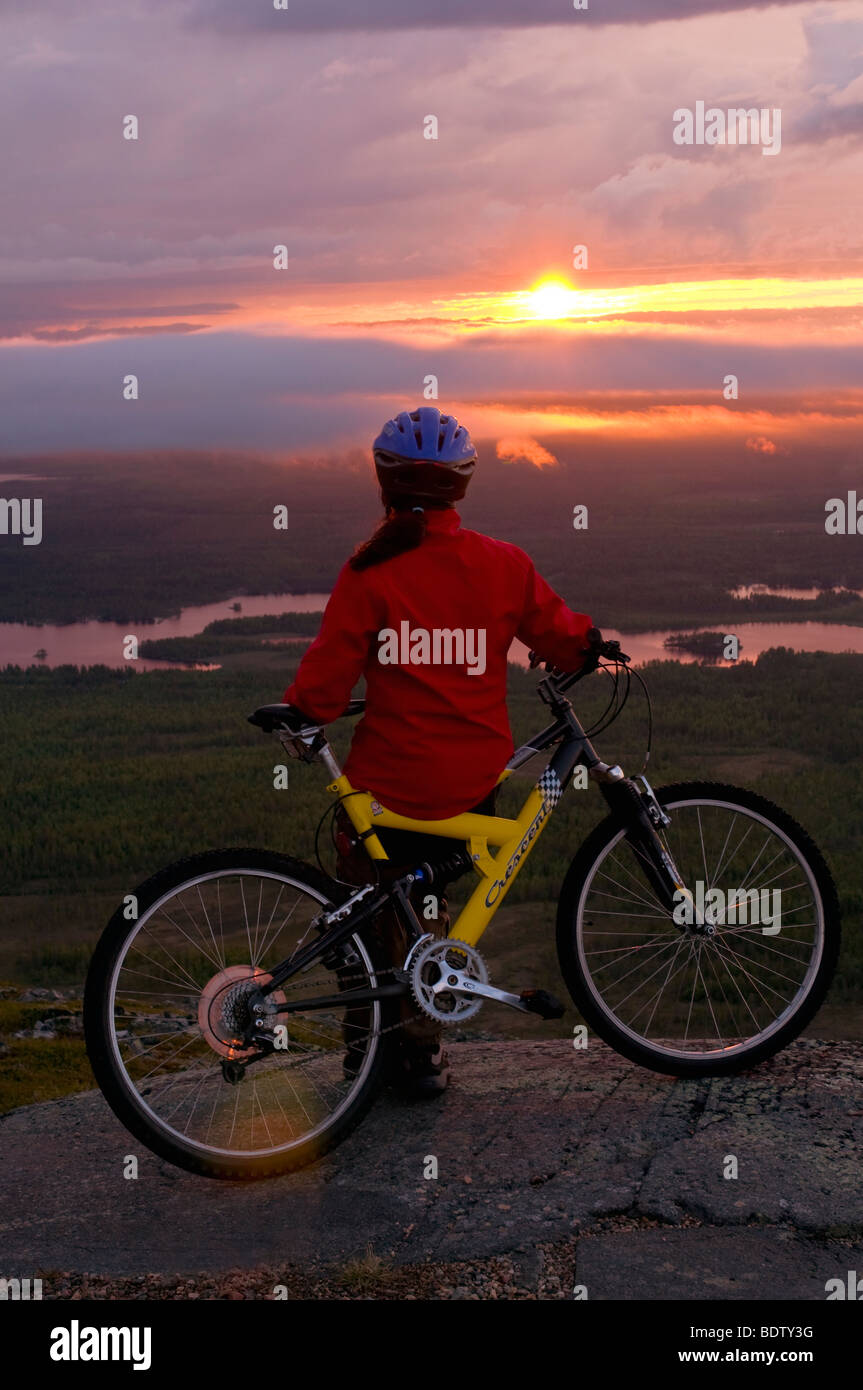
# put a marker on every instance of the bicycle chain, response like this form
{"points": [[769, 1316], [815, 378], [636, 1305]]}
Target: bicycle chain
{"points": [[348, 979], [402, 1022]]}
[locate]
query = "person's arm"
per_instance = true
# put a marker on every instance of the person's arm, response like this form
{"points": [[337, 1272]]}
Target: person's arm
{"points": [[549, 627], [334, 662]]}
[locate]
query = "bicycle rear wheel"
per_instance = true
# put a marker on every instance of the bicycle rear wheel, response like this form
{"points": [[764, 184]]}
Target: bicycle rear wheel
{"points": [[165, 1008], [694, 1005]]}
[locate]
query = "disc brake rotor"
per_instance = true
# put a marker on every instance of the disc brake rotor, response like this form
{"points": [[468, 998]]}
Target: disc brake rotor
{"points": [[224, 1009]]}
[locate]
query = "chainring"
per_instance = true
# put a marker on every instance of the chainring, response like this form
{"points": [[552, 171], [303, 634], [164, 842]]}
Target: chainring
{"points": [[428, 964]]}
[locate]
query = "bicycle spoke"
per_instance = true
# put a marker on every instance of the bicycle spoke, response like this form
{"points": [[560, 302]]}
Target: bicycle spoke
{"points": [[697, 993], [200, 955]]}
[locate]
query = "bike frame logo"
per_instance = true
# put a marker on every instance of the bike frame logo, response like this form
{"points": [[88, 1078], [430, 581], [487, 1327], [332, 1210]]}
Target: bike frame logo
{"points": [[499, 884], [737, 906], [438, 646]]}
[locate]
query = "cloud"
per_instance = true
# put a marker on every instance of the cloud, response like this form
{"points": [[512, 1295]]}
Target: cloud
{"points": [[50, 312], [828, 122], [834, 69], [317, 142], [305, 16], [549, 136], [81, 335], [238, 390], [762, 445], [513, 449]]}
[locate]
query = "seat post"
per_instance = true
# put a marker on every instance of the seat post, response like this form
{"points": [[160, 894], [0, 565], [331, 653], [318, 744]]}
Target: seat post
{"points": [[327, 757]]}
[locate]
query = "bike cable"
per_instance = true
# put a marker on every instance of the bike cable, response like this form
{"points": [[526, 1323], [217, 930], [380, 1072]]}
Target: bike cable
{"points": [[616, 703], [643, 685], [603, 723], [611, 701], [334, 878]]}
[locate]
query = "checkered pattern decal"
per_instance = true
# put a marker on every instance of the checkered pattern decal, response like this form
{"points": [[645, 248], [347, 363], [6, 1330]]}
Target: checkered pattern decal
{"points": [[549, 785]]}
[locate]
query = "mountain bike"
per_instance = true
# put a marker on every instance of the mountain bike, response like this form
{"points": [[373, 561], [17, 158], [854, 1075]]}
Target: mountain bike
{"points": [[225, 991]]}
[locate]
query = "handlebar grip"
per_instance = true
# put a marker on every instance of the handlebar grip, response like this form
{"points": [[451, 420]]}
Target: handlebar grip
{"points": [[609, 648], [596, 649]]}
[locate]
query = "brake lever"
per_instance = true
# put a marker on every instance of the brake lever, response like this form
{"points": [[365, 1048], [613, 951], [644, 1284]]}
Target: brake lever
{"points": [[611, 651]]}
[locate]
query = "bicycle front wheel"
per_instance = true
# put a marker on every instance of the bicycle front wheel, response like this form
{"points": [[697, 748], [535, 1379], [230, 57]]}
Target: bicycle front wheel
{"points": [[689, 1004], [165, 1008]]}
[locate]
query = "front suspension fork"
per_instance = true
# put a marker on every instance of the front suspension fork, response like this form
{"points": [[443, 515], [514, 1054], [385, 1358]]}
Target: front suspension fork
{"points": [[640, 812]]}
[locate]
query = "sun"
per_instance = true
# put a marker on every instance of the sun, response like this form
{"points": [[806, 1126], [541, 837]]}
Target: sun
{"points": [[552, 299]]}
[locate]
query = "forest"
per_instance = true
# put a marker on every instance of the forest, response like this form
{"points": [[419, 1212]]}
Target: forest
{"points": [[227, 637], [131, 538]]}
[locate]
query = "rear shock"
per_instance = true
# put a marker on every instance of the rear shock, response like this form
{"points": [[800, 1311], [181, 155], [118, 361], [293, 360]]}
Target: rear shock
{"points": [[454, 866]]}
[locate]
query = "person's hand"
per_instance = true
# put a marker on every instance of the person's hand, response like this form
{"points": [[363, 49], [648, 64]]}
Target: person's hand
{"points": [[593, 637], [598, 647]]}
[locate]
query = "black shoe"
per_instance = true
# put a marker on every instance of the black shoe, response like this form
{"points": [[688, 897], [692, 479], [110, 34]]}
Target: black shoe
{"points": [[422, 1073]]}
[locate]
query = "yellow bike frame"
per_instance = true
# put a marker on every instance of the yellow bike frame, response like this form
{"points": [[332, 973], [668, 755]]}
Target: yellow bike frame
{"points": [[513, 840], [496, 845]]}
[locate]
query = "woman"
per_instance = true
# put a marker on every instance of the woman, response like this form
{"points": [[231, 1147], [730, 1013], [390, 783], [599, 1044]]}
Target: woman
{"points": [[426, 612]]}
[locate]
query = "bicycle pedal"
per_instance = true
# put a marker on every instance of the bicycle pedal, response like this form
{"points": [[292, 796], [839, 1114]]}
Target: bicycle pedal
{"points": [[539, 1001]]}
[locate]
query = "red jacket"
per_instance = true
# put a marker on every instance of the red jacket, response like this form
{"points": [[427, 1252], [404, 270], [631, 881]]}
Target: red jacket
{"points": [[435, 734]]}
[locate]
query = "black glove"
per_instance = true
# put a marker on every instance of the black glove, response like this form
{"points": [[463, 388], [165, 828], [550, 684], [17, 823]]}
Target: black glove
{"points": [[593, 637], [610, 649]]}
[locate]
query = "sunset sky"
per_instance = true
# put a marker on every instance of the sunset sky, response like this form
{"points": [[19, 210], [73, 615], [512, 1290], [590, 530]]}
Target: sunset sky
{"points": [[410, 256]]}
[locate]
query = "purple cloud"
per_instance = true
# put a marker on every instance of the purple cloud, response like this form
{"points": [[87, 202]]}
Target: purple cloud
{"points": [[306, 16], [234, 389]]}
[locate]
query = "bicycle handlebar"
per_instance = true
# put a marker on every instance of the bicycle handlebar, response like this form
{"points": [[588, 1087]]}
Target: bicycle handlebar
{"points": [[598, 649]]}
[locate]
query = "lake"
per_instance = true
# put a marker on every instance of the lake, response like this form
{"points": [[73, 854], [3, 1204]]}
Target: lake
{"points": [[93, 642]]}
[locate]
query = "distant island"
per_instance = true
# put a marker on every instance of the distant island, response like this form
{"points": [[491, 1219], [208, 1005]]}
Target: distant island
{"points": [[710, 645]]}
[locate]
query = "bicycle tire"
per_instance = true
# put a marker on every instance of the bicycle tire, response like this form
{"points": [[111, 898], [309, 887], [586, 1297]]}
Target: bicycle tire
{"points": [[107, 1067], [578, 879]]}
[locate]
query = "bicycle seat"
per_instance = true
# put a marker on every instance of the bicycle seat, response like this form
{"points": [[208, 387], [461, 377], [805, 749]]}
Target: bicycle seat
{"points": [[272, 717]]}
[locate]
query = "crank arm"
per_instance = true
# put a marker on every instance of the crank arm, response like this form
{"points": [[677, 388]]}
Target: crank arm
{"points": [[457, 982]]}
